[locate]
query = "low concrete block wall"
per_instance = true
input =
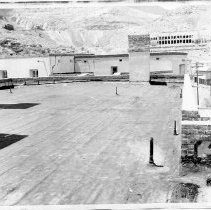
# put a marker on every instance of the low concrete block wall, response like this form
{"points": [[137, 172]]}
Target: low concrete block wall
{"points": [[196, 131], [167, 78], [74, 78]]}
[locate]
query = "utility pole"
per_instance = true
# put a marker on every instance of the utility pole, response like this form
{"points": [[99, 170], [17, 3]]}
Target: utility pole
{"points": [[197, 71], [197, 65]]}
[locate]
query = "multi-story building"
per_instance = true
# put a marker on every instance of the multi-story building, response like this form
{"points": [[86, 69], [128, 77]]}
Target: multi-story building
{"points": [[179, 41]]}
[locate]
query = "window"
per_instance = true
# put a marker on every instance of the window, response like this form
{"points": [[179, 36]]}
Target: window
{"points": [[114, 69], [201, 81], [120, 60], [157, 59], [3, 74], [33, 73], [85, 61], [169, 42]]}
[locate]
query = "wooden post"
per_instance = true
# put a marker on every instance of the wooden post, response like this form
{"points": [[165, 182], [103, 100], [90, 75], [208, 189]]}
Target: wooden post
{"points": [[151, 160], [181, 94], [116, 91], [175, 127]]}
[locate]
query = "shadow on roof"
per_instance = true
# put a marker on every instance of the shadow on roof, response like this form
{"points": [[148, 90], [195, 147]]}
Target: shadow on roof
{"points": [[8, 139], [18, 106], [157, 83]]}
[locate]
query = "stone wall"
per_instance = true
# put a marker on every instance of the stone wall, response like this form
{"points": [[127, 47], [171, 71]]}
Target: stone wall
{"points": [[139, 43], [196, 133]]}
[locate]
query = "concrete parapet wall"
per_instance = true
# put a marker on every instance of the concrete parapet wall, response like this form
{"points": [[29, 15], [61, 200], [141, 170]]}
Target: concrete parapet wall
{"points": [[193, 116], [167, 78], [123, 78]]}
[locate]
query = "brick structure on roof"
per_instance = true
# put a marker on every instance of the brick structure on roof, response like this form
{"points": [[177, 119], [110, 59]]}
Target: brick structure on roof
{"points": [[139, 43]]}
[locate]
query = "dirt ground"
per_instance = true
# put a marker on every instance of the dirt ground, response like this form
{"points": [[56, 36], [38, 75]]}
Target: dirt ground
{"points": [[80, 143]]}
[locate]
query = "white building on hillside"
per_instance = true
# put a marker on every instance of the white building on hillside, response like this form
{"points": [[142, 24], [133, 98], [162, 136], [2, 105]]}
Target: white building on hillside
{"points": [[179, 41]]}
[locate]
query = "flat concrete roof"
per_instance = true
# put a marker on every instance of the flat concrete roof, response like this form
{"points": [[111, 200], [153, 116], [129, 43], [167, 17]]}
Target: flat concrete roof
{"points": [[79, 143], [79, 56], [71, 54], [127, 55]]}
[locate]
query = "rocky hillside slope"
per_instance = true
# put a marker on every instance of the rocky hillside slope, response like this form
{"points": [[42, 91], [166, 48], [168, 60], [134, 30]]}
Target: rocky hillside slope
{"points": [[91, 29]]}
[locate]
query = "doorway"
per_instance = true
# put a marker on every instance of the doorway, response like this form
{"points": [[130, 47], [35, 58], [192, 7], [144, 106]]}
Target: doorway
{"points": [[182, 69]]}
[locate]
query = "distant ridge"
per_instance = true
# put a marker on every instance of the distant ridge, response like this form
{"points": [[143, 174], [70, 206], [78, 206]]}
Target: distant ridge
{"points": [[35, 1], [60, 1]]}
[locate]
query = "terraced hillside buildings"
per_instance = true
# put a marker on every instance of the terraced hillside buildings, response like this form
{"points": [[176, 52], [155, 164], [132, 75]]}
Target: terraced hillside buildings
{"points": [[178, 41]]}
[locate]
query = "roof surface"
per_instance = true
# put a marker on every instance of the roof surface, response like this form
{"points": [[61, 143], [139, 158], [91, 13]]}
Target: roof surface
{"points": [[79, 143]]}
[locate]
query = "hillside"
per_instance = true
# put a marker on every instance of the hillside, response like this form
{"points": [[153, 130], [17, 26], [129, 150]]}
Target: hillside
{"points": [[92, 29]]}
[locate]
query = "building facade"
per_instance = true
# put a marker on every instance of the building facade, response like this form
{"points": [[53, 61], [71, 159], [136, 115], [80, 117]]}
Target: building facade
{"points": [[169, 62], [24, 67], [102, 64], [99, 65], [179, 41], [62, 63], [165, 62]]}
